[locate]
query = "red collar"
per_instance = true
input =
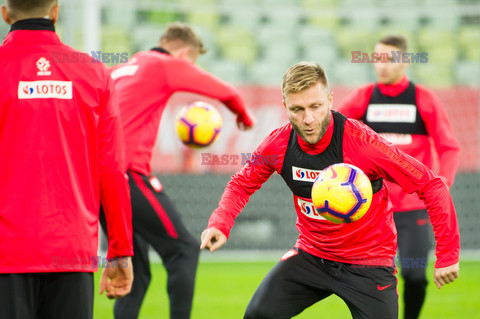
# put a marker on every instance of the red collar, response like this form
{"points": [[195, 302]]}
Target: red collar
{"points": [[321, 145], [394, 89]]}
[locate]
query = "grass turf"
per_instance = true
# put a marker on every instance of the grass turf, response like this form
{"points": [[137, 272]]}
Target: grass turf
{"points": [[223, 290]]}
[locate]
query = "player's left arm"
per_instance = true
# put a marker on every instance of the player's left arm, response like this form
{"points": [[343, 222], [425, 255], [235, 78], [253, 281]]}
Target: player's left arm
{"points": [[439, 129], [197, 80], [381, 158]]}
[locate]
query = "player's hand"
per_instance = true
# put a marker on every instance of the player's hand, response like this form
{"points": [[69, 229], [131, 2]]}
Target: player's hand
{"points": [[245, 121], [212, 239], [117, 277], [446, 275]]}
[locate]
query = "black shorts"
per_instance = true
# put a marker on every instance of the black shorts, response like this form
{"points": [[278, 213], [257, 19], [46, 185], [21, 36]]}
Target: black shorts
{"points": [[413, 237], [301, 280], [46, 295]]}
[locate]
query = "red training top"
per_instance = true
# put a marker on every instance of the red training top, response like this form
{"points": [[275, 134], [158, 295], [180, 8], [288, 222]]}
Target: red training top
{"points": [[370, 240], [439, 139], [145, 84], [62, 152]]}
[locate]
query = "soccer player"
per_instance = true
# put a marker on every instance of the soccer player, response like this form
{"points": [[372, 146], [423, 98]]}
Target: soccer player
{"points": [[354, 261], [144, 85], [413, 118], [62, 153]]}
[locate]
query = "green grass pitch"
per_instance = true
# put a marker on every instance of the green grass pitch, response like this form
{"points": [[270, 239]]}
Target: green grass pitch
{"points": [[223, 290]]}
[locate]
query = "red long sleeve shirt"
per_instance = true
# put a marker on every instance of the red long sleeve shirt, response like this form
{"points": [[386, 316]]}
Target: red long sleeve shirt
{"points": [[439, 141], [145, 84], [62, 153], [370, 240]]}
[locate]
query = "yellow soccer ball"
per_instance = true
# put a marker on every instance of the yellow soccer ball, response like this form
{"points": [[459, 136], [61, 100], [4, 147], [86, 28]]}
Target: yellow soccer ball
{"points": [[198, 124], [342, 193]]}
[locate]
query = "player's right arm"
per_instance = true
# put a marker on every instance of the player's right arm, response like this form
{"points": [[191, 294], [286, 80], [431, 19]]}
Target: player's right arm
{"points": [[266, 159], [196, 80]]}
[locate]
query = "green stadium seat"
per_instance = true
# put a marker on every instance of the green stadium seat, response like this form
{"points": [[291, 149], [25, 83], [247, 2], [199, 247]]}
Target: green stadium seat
{"points": [[468, 40], [284, 18], [355, 4], [408, 21], [238, 4], [145, 36], [430, 37], [198, 3], [251, 19], [267, 73], [309, 34], [322, 54], [468, 73], [230, 71], [206, 19], [434, 75], [352, 74], [319, 4], [273, 34], [279, 52], [368, 20], [444, 53], [161, 18], [120, 14], [237, 44], [354, 39]]}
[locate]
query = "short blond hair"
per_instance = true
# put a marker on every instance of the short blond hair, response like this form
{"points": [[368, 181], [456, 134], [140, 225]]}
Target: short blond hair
{"points": [[179, 34], [302, 76], [23, 9]]}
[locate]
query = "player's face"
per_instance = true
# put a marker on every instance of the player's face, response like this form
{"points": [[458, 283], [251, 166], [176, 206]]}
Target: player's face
{"points": [[309, 112], [388, 72]]}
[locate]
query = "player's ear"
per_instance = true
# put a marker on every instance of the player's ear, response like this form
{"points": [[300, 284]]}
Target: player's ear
{"points": [[5, 16], [330, 100], [53, 14], [184, 53]]}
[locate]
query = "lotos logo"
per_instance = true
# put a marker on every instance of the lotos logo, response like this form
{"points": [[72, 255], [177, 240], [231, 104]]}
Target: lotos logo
{"points": [[304, 174], [306, 207], [45, 90], [392, 113]]}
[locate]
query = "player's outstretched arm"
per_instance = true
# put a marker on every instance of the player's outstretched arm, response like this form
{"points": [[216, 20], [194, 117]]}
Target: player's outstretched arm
{"points": [[117, 278], [446, 275], [212, 239]]}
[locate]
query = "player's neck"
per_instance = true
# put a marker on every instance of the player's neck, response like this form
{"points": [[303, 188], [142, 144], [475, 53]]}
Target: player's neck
{"points": [[395, 88]]}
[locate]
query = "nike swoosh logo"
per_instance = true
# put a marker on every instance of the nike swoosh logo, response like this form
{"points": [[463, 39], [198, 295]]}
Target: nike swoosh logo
{"points": [[382, 288]]}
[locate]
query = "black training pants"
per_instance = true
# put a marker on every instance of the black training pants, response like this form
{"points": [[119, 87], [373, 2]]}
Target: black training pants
{"points": [[301, 280], [156, 222], [57, 295]]}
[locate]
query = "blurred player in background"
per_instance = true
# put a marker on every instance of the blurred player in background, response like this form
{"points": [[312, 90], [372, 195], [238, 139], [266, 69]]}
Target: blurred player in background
{"points": [[354, 261], [62, 153], [144, 86], [413, 118]]}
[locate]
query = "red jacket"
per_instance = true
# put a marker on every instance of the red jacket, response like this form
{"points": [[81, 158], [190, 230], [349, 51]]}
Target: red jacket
{"points": [[440, 140], [145, 84], [370, 240], [62, 153]]}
